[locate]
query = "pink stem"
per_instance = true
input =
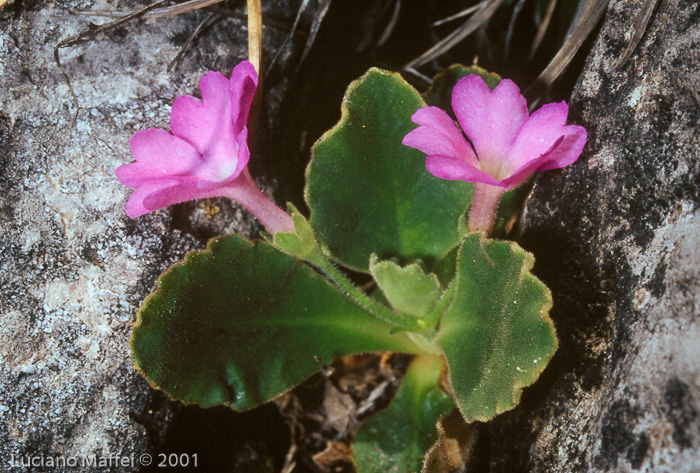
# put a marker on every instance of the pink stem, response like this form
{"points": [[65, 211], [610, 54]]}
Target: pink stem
{"points": [[246, 192], [482, 215]]}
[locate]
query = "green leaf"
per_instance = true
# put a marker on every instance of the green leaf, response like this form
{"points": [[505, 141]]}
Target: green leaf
{"points": [[397, 438], [368, 193], [302, 243], [409, 290], [496, 336], [445, 270], [241, 323], [509, 207]]}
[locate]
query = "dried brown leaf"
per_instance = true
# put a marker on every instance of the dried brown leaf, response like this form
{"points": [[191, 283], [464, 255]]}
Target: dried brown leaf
{"points": [[511, 24], [323, 6], [386, 34], [208, 21], [639, 27], [456, 440], [339, 409], [335, 452], [542, 30], [468, 27], [591, 12], [459, 15], [172, 10]]}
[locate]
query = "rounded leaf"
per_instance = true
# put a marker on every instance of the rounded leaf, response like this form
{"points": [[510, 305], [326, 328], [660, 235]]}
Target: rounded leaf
{"points": [[242, 322], [368, 193], [497, 336]]}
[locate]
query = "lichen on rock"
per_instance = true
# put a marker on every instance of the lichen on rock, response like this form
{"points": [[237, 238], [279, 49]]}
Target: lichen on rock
{"points": [[73, 267]]}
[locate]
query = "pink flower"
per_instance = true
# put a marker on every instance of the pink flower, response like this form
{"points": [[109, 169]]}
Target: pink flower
{"points": [[507, 145], [205, 156]]}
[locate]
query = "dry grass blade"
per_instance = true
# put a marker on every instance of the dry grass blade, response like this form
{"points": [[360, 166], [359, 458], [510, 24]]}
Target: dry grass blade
{"points": [[255, 56], [594, 10], [542, 30], [87, 34], [192, 5], [323, 6], [639, 27], [386, 34], [255, 36], [158, 13], [301, 10], [2, 3], [459, 15], [467, 28], [415, 73], [511, 24], [188, 44]]}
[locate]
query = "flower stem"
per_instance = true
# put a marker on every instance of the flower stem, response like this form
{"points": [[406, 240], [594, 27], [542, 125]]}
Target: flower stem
{"points": [[246, 192], [482, 215]]}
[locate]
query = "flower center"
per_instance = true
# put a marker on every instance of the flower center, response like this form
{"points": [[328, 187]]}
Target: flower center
{"points": [[494, 166]]}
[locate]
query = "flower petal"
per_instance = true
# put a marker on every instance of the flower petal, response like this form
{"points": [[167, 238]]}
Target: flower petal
{"points": [[154, 195], [439, 135], [537, 135], [158, 155], [568, 150], [517, 178], [244, 81], [243, 151], [243, 157], [491, 119], [563, 152], [453, 169], [135, 205], [207, 125], [180, 192]]}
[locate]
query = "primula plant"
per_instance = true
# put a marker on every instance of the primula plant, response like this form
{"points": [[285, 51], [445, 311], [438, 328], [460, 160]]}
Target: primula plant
{"points": [[245, 321]]}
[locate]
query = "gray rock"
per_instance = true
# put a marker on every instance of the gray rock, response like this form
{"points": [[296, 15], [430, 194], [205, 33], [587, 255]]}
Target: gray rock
{"points": [[73, 267], [617, 238]]}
